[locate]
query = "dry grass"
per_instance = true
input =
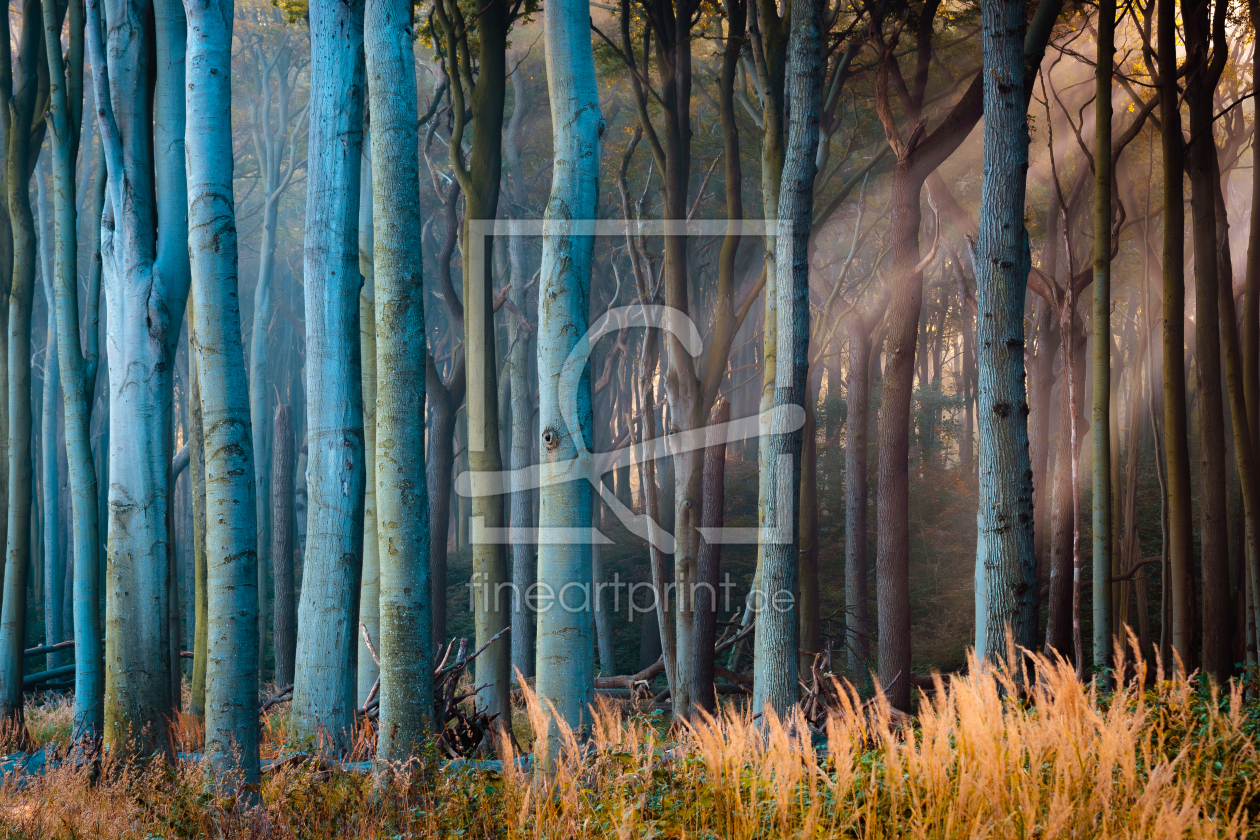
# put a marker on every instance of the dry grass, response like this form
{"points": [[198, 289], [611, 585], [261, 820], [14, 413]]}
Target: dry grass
{"points": [[994, 756]]}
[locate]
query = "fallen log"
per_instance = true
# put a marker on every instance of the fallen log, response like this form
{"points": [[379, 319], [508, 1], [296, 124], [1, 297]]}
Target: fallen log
{"points": [[46, 649], [32, 680]]}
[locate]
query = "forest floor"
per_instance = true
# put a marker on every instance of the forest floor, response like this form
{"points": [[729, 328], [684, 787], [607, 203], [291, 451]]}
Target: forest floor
{"points": [[990, 756]]}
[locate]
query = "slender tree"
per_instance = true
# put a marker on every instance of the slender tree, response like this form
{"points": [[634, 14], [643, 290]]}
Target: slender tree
{"points": [[328, 617], [50, 477], [23, 126], [370, 580], [146, 278], [566, 667], [1006, 567], [1206, 63], [1177, 453], [197, 484], [65, 116], [1101, 416], [519, 334], [478, 172], [710, 560], [401, 502], [775, 661], [284, 615], [231, 531]]}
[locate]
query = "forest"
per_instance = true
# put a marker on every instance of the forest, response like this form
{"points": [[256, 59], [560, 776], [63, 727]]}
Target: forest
{"points": [[720, 418]]}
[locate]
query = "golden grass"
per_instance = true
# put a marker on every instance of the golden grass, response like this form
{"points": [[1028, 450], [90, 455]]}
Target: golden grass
{"points": [[996, 755]]}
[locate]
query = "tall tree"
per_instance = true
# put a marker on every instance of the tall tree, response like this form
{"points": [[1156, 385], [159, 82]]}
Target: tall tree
{"points": [[146, 277], [284, 616], [1176, 450], [231, 530], [50, 478], [1207, 54], [23, 124], [482, 43], [370, 579], [775, 661], [65, 116], [566, 667], [524, 565], [1102, 504], [328, 617], [197, 484], [402, 505], [1006, 566]]}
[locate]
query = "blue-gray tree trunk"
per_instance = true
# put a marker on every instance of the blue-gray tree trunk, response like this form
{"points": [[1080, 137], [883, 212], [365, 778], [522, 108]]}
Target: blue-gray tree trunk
{"points": [[402, 504], [775, 650], [1006, 567], [565, 661], [231, 532], [328, 616]]}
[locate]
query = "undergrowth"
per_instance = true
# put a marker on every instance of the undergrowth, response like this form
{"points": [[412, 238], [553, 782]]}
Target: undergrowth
{"points": [[994, 754]]}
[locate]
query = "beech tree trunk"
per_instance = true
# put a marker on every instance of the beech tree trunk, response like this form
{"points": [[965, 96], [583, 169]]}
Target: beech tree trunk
{"points": [[1213, 506], [146, 277], [709, 565], [566, 673], [775, 660], [284, 631], [856, 494], [65, 117], [197, 487], [1176, 450], [1006, 566], [233, 651], [406, 620], [328, 616], [23, 132], [1102, 502]]}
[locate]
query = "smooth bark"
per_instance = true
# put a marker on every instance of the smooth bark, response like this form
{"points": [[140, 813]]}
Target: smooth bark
{"points": [[775, 647], [328, 616], [232, 654], [566, 673], [402, 504], [283, 545]]}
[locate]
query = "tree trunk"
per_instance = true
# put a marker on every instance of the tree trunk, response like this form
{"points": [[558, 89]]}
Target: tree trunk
{"points": [[1177, 453], [443, 398], [233, 652], [479, 180], [197, 488], [775, 660], [64, 117], [1213, 501], [50, 479], [1006, 567], [709, 565], [370, 583], [565, 666], [328, 616], [1102, 502], [406, 613], [23, 130], [146, 284], [284, 632], [524, 563], [856, 494], [1059, 601], [810, 615]]}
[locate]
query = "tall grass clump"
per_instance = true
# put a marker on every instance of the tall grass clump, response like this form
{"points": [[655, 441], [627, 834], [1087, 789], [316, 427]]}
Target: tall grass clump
{"points": [[1021, 753]]}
